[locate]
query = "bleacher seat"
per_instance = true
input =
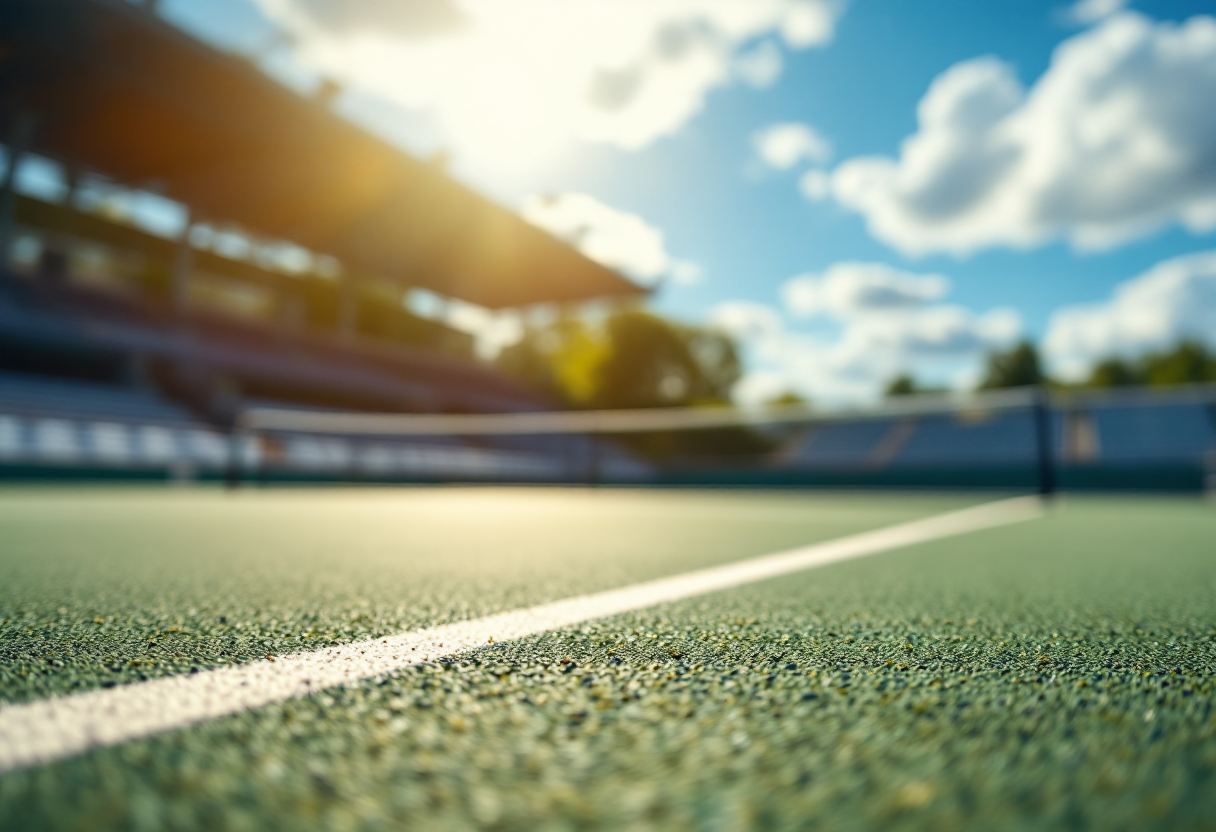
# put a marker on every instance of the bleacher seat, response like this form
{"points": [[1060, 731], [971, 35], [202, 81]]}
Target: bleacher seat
{"points": [[843, 444], [54, 421], [957, 439], [1151, 432], [29, 395]]}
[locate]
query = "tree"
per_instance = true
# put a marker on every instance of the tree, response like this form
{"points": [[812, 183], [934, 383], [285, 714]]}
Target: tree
{"points": [[905, 384], [636, 359], [631, 359], [787, 397], [528, 363], [653, 362], [1114, 372], [1016, 367], [902, 385], [559, 360], [1189, 362]]}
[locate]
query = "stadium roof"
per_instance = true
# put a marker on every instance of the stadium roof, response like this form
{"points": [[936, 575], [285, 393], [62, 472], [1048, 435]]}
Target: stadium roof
{"points": [[117, 91]]}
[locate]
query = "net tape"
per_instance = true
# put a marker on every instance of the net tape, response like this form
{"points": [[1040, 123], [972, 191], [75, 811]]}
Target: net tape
{"points": [[611, 421]]}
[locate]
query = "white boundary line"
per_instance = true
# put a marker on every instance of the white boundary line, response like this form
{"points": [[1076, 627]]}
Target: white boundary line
{"points": [[52, 729]]}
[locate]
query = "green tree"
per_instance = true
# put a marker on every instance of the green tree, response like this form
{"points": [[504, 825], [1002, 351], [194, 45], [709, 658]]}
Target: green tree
{"points": [[653, 362], [631, 359], [1115, 372], [1189, 362], [1016, 367], [529, 363], [905, 384], [559, 360], [636, 359], [788, 397], [902, 385]]}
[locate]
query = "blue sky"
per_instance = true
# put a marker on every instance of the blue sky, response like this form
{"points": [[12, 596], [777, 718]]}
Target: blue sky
{"points": [[904, 267]]}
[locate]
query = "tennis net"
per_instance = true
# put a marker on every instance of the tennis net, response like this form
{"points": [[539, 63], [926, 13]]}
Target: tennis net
{"points": [[1001, 439]]}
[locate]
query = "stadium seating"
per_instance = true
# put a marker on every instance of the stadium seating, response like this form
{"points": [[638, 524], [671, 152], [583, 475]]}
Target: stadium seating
{"points": [[963, 439], [843, 444], [1151, 432], [91, 322], [57, 424], [43, 395], [1134, 430]]}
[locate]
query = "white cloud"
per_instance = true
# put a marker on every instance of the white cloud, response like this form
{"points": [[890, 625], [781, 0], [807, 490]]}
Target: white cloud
{"points": [[759, 387], [815, 185], [783, 146], [747, 321], [614, 238], [512, 81], [492, 330], [1173, 300], [1087, 12], [1116, 140], [685, 272], [932, 332], [760, 67], [885, 322], [849, 289], [943, 343], [407, 19], [808, 24]]}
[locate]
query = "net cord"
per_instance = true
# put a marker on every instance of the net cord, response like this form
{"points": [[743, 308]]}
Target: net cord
{"points": [[610, 421]]}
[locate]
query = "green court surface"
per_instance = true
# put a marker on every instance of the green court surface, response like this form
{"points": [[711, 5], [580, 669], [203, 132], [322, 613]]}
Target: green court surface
{"points": [[1058, 673]]}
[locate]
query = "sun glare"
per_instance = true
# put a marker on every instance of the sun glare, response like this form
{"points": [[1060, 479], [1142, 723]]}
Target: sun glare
{"points": [[508, 93], [524, 79]]}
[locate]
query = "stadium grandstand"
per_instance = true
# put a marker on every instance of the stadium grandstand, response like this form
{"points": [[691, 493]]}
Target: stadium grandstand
{"points": [[270, 263], [1142, 438]]}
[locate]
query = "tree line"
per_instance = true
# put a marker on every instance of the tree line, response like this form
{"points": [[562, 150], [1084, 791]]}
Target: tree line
{"points": [[1187, 362], [633, 358]]}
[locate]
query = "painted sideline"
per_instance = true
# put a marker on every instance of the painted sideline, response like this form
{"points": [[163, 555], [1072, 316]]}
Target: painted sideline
{"points": [[52, 729]]}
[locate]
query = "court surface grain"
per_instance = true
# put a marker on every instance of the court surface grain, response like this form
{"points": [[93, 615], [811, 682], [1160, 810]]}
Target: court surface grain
{"points": [[1058, 673]]}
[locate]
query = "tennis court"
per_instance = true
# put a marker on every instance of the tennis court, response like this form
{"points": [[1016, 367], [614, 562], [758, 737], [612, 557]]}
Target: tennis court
{"points": [[1053, 669]]}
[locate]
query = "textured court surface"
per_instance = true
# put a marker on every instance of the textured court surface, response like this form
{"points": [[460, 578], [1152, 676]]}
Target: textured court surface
{"points": [[1059, 673]]}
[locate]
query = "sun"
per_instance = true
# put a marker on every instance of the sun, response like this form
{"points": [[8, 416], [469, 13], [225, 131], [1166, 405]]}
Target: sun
{"points": [[507, 96]]}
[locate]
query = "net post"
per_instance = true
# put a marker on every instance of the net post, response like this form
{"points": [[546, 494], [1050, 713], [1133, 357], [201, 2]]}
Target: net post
{"points": [[1209, 474], [1043, 444]]}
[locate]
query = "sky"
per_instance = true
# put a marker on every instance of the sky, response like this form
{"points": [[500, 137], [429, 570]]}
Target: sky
{"points": [[854, 190]]}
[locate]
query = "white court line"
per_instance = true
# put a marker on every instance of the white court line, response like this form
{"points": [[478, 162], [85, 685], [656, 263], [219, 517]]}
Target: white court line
{"points": [[59, 727]]}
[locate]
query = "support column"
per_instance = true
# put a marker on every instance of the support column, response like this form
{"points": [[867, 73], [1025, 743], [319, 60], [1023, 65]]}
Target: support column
{"points": [[183, 264], [348, 309], [19, 139]]}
